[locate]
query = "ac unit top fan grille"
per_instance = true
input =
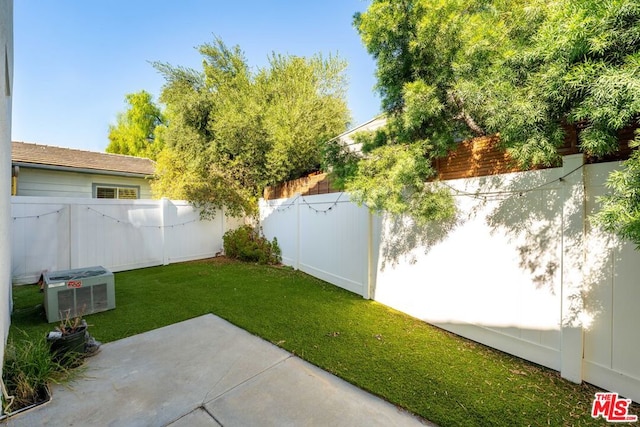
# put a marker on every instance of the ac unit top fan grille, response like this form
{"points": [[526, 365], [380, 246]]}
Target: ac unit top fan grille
{"points": [[63, 276]]}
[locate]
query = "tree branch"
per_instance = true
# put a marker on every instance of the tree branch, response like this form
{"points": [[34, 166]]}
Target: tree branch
{"points": [[471, 123], [458, 103]]}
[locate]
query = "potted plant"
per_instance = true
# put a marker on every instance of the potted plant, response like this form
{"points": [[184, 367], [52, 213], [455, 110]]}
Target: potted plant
{"points": [[70, 340]]}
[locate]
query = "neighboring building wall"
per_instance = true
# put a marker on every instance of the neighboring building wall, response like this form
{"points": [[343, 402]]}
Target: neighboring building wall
{"points": [[54, 183], [6, 88], [372, 125]]}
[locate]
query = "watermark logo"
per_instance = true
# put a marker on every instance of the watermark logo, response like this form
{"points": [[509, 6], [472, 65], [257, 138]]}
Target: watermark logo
{"points": [[612, 408]]}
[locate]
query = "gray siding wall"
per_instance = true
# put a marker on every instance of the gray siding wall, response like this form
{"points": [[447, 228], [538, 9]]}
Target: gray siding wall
{"points": [[50, 183]]}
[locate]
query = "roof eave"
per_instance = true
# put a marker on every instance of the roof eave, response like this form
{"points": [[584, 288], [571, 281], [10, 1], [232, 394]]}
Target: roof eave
{"points": [[81, 170]]}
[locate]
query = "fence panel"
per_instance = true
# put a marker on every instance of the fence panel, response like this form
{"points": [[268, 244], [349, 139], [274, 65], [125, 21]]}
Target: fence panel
{"points": [[40, 238], [122, 235], [279, 218], [332, 233], [493, 274], [186, 237], [322, 235], [51, 233], [611, 350]]}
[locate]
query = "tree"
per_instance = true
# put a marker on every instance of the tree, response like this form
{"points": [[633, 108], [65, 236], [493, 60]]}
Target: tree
{"points": [[620, 212], [135, 132], [450, 69], [233, 130]]}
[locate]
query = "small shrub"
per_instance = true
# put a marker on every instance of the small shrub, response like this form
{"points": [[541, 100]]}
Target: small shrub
{"points": [[28, 369], [248, 244]]}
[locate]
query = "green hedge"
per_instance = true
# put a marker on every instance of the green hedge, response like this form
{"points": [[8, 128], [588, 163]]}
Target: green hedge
{"points": [[249, 244]]}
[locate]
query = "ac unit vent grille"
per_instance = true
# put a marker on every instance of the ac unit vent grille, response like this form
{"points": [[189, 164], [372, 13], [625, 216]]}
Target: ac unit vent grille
{"points": [[65, 301], [100, 299]]}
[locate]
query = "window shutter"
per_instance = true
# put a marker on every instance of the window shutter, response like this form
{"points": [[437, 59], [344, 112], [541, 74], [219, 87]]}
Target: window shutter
{"points": [[127, 193], [105, 193]]}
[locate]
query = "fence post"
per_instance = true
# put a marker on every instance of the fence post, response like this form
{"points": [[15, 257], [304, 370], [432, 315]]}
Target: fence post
{"points": [[368, 290], [164, 219], [297, 198], [573, 255], [223, 225]]}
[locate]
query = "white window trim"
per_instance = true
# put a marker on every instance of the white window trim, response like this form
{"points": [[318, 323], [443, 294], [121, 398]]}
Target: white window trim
{"points": [[117, 187]]}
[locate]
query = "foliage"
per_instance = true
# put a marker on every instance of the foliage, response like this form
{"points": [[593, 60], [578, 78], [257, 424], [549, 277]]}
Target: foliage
{"points": [[444, 378], [451, 69], [70, 324], [136, 131], [340, 161], [234, 131], [28, 369], [620, 210], [248, 244], [393, 177]]}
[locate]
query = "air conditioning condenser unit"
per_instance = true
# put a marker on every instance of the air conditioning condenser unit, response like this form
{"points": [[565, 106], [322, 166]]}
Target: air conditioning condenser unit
{"points": [[79, 291]]}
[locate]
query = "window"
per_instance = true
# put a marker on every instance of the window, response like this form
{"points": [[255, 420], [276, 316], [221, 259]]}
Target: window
{"points": [[115, 192]]}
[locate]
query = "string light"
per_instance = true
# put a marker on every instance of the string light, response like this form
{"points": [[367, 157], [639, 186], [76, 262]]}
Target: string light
{"points": [[39, 215], [141, 226], [333, 205], [503, 195], [283, 208], [304, 201]]}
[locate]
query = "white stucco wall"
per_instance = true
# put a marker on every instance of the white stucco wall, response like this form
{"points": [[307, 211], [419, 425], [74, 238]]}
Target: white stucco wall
{"points": [[52, 183], [6, 88]]}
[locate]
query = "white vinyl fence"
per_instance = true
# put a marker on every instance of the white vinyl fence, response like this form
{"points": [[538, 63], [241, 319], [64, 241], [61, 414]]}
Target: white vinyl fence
{"points": [[519, 269], [326, 236], [50, 233]]}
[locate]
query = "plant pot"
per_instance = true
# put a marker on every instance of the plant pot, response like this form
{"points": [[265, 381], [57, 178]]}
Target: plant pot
{"points": [[66, 348]]}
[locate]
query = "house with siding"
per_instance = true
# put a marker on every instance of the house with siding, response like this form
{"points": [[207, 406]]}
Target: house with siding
{"points": [[43, 170], [346, 138]]}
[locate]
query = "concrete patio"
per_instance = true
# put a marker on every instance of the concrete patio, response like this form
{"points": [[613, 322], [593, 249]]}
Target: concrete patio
{"points": [[207, 372]]}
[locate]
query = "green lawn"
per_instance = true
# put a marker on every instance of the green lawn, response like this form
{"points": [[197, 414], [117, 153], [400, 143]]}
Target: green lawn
{"points": [[437, 375]]}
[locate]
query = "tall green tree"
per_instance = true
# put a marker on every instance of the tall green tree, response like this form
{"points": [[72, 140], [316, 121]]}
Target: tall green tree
{"points": [[235, 130], [450, 69], [135, 133]]}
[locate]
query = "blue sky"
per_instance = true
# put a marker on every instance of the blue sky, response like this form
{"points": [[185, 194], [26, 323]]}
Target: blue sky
{"points": [[75, 60]]}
